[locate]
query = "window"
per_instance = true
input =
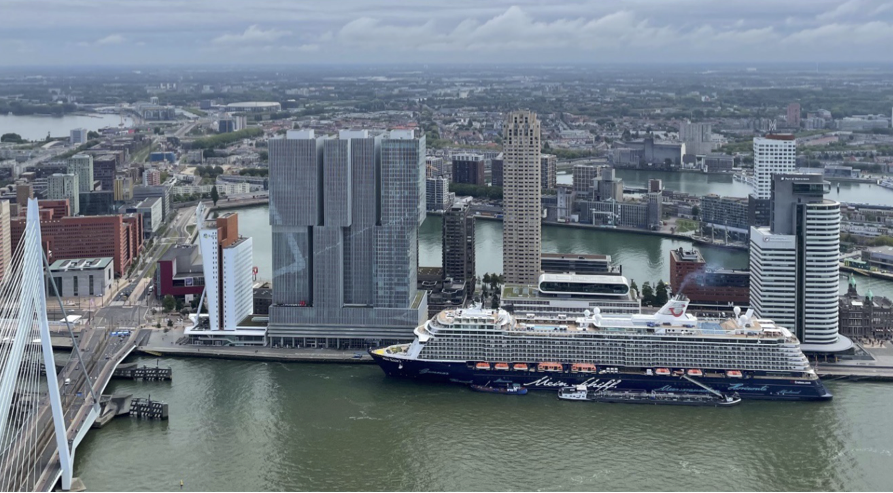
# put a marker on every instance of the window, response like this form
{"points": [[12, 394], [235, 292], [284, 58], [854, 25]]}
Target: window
{"points": [[75, 285], [91, 285]]}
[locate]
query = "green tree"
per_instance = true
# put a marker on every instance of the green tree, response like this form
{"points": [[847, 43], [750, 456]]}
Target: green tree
{"points": [[647, 294], [91, 135], [633, 286], [695, 211], [214, 195], [157, 130], [11, 137], [170, 323], [169, 303], [495, 303], [486, 279], [660, 294]]}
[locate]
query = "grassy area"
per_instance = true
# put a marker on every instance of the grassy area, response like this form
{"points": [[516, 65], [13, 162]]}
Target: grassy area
{"points": [[686, 225], [141, 156], [197, 111], [190, 229]]}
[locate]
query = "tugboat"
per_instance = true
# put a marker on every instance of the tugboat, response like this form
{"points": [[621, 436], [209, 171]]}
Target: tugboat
{"points": [[581, 393], [513, 389]]}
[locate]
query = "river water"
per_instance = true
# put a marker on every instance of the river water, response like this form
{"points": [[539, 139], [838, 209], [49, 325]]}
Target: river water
{"points": [[239, 426], [247, 426], [33, 127]]}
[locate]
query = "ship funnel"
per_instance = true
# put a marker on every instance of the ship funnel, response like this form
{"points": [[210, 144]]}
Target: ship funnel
{"points": [[674, 308]]}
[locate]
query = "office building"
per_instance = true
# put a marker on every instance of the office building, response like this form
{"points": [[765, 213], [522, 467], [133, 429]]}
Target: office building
{"points": [[104, 168], [435, 168], [576, 263], [115, 236], [794, 263], [65, 186], [655, 185], [698, 137], [458, 241], [345, 213], [584, 177], [522, 223], [437, 193], [227, 270], [725, 215], [96, 203], [78, 136], [82, 165], [773, 154], [123, 189], [792, 118], [163, 191], [497, 166], [180, 272], [24, 191], [82, 277], [151, 210], [468, 168], [567, 296], [706, 286], [549, 171]]}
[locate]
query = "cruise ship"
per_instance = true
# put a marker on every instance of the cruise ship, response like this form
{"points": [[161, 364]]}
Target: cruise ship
{"points": [[670, 351]]}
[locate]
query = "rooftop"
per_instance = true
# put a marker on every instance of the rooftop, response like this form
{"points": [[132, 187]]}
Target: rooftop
{"points": [[63, 265]]}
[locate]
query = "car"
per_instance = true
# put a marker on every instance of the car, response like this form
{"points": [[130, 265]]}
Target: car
{"points": [[357, 355]]}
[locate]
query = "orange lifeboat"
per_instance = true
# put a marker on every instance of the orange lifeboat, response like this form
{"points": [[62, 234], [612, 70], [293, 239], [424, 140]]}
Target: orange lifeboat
{"points": [[520, 366], [733, 374], [662, 371], [695, 373], [583, 368], [501, 366], [548, 366], [482, 366]]}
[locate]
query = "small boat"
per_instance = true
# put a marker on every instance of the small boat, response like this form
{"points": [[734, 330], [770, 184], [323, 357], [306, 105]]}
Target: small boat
{"points": [[695, 373], [501, 366], [663, 371], [550, 367], [583, 368], [520, 366], [482, 366], [733, 374], [513, 389], [581, 393]]}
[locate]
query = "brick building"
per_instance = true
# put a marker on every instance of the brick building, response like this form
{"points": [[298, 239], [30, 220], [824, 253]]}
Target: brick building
{"points": [[87, 237], [704, 286]]}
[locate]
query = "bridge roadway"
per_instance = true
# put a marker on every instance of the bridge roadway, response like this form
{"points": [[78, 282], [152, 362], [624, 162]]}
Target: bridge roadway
{"points": [[102, 354]]}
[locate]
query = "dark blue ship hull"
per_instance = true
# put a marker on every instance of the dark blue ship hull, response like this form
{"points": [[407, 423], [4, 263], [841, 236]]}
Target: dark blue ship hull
{"points": [[750, 387]]}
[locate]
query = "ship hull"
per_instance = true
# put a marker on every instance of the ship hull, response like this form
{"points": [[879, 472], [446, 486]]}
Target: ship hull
{"points": [[458, 372]]}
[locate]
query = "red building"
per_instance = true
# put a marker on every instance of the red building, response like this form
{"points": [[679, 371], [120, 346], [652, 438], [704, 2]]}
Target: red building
{"points": [[705, 286], [49, 209], [88, 237], [180, 272]]}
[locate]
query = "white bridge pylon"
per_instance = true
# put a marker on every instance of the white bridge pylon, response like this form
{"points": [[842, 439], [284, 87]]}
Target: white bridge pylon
{"points": [[29, 397]]}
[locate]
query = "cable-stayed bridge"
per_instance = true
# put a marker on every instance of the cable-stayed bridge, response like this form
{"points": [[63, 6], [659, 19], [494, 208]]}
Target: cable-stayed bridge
{"points": [[44, 415]]}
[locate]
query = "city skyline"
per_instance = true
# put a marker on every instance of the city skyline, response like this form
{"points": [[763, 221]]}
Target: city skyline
{"points": [[382, 32]]}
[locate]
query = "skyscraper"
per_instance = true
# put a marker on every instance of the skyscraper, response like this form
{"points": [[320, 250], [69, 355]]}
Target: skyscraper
{"points": [[458, 241], [65, 186], [794, 263], [345, 213], [793, 115], [522, 198], [549, 171], [226, 262], [772, 155], [82, 165]]}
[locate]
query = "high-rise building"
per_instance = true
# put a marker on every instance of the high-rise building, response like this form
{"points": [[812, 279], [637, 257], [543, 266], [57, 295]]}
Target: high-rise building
{"points": [[549, 171], [5, 238], [227, 268], [584, 174], [123, 189], [522, 201], [152, 177], [458, 241], [793, 116], [773, 154], [437, 193], [697, 137], [104, 168], [497, 165], [435, 167], [345, 213], [82, 165], [468, 168], [794, 263], [65, 186], [24, 191], [78, 136]]}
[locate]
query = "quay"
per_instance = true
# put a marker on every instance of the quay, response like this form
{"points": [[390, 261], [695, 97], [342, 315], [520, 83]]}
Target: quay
{"points": [[258, 353]]}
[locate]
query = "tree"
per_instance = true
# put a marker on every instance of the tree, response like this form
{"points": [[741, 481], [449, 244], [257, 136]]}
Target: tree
{"points": [[647, 294], [157, 130], [495, 303], [91, 135], [169, 303], [215, 196], [486, 279], [633, 286], [695, 211], [660, 294], [11, 137], [170, 323]]}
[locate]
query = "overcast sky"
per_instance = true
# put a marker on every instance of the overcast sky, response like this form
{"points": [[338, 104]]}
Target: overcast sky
{"points": [[134, 32]]}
